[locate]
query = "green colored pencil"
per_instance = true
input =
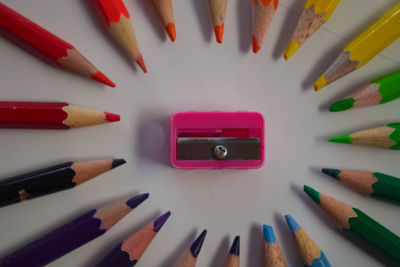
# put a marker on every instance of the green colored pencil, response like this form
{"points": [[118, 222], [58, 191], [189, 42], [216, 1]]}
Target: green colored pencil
{"points": [[387, 136], [378, 91], [353, 220], [368, 183]]}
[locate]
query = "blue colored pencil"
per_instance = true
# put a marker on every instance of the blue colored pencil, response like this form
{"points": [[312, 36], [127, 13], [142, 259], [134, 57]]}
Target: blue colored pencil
{"points": [[272, 253]]}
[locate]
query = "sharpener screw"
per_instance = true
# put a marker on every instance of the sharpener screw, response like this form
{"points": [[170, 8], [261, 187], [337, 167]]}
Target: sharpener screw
{"points": [[220, 152]]}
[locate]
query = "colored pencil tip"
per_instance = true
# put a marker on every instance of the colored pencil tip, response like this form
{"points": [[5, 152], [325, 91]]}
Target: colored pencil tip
{"points": [[117, 162], [343, 104], [235, 249], [219, 32], [256, 45], [321, 82], [312, 193], [331, 172], [198, 243], [137, 200], [141, 64], [268, 232], [293, 225], [111, 117], [170, 28], [100, 77], [344, 139], [160, 221], [290, 49]]}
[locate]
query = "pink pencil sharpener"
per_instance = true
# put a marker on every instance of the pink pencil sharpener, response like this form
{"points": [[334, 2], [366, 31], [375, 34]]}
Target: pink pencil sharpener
{"points": [[217, 140]]}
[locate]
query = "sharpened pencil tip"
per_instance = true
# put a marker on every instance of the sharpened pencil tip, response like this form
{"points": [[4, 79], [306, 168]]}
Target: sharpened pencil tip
{"points": [[170, 28], [137, 200], [290, 49], [235, 249], [256, 45], [331, 172], [320, 83], [312, 193], [342, 105], [293, 225], [198, 243], [268, 232], [100, 77], [219, 32], [141, 64], [160, 221], [111, 117], [343, 139], [117, 162]]}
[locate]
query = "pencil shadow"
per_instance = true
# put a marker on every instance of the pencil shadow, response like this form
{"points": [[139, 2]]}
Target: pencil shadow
{"points": [[180, 250], [98, 24], [255, 244], [244, 14], [152, 139], [150, 12], [203, 18], [288, 247], [287, 30], [221, 253]]}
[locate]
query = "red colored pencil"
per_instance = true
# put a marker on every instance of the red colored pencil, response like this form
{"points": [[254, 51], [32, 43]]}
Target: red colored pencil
{"points": [[50, 115], [48, 46], [116, 19]]}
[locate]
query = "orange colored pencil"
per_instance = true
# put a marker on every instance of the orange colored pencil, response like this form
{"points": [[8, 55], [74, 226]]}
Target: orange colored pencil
{"points": [[263, 13], [218, 11], [164, 11], [115, 17]]}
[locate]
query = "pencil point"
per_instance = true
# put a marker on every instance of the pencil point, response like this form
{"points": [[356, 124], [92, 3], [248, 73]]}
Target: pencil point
{"points": [[198, 243], [256, 45], [160, 221], [219, 32], [100, 77], [117, 162], [331, 172], [344, 139], [235, 249], [111, 117], [342, 105], [140, 62], [268, 232], [313, 194], [293, 225], [321, 82], [170, 28], [290, 49], [137, 200]]}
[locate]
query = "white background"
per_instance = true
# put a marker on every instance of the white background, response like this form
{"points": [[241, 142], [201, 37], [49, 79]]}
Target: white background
{"points": [[196, 73]]}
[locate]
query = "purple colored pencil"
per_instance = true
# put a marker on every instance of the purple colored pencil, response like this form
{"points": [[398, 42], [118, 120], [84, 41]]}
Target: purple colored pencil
{"points": [[189, 259], [72, 235], [127, 253]]}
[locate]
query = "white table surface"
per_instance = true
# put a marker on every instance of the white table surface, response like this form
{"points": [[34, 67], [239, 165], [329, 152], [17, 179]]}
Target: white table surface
{"points": [[196, 73]]}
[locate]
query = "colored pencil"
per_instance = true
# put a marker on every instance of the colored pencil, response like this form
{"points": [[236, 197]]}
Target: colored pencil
{"points": [[310, 254], [189, 259], [378, 91], [46, 45], [218, 11], [131, 249], [50, 115], [353, 220], [272, 252], [52, 179], [387, 136], [363, 48], [368, 183], [314, 15], [116, 19], [263, 13], [233, 259], [166, 14], [72, 235]]}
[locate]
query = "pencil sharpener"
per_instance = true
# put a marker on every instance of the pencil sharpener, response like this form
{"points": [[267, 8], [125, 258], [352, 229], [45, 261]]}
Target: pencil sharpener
{"points": [[217, 140]]}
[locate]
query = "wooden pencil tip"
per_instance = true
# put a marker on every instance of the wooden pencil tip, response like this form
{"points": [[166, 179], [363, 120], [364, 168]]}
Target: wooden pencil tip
{"points": [[111, 117], [170, 28], [235, 248], [344, 139], [117, 162], [291, 222], [312, 193], [100, 77], [320, 83], [256, 44], [219, 32], [290, 49], [140, 62]]}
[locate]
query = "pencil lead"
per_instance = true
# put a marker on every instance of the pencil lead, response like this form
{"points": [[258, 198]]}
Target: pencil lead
{"points": [[293, 225], [235, 249], [198, 243], [111, 117], [219, 32], [312, 193], [342, 105], [161, 220], [117, 162], [268, 232], [321, 82], [290, 49], [100, 77], [170, 28], [256, 45], [140, 62], [344, 139], [137, 200], [331, 172]]}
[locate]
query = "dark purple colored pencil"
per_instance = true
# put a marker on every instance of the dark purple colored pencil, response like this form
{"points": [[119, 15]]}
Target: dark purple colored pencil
{"points": [[72, 235], [190, 257]]}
